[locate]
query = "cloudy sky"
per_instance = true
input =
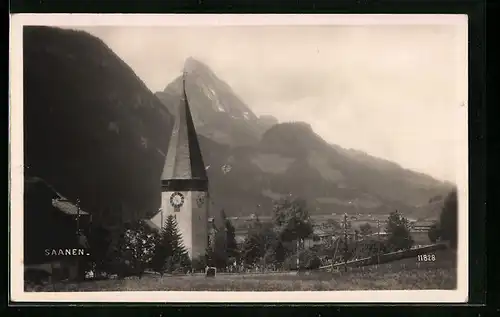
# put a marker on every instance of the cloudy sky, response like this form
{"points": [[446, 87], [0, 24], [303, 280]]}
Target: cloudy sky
{"points": [[393, 91]]}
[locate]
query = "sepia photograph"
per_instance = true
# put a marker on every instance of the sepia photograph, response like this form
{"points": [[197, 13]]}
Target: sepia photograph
{"points": [[245, 158]]}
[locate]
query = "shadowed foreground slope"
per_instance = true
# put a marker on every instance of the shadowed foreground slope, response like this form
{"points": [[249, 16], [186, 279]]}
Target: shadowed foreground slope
{"points": [[413, 279], [92, 129]]}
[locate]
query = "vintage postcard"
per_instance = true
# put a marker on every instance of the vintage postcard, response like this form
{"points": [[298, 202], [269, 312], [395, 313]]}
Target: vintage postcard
{"points": [[239, 158]]}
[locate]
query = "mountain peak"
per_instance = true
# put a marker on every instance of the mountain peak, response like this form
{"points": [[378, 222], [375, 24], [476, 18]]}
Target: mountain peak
{"points": [[218, 113], [192, 65]]}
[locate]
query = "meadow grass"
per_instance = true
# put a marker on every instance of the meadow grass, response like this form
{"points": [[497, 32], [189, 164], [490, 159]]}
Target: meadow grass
{"points": [[403, 280], [405, 274]]}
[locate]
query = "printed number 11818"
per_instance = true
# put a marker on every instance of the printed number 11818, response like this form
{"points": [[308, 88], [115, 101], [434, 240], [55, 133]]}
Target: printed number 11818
{"points": [[426, 257]]}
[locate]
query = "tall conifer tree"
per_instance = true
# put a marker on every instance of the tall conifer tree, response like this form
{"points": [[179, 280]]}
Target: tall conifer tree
{"points": [[170, 251]]}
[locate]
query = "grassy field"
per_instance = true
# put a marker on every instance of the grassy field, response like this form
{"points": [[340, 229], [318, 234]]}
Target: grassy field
{"points": [[405, 274]]}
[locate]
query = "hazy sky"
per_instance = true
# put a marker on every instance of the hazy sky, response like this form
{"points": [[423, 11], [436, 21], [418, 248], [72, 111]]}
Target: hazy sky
{"points": [[393, 91]]}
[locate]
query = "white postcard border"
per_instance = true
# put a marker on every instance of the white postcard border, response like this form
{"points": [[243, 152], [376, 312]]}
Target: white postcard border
{"points": [[16, 163]]}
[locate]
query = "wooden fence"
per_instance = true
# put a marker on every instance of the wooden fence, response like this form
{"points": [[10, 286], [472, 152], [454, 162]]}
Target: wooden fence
{"points": [[388, 257]]}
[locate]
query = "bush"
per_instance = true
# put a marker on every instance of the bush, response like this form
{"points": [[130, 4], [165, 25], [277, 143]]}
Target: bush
{"points": [[199, 263], [314, 263], [125, 268], [398, 229], [36, 276], [449, 219], [434, 233], [366, 229], [307, 260], [371, 247]]}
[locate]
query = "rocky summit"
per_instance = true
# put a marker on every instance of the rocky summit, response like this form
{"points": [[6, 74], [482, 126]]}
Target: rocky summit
{"points": [[218, 112]]}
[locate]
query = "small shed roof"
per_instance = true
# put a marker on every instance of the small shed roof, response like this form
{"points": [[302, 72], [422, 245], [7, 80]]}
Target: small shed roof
{"points": [[239, 239], [67, 207], [151, 224], [322, 233], [424, 223]]}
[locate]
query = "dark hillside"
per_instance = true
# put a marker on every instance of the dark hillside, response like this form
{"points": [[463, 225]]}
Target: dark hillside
{"points": [[351, 174], [92, 128], [291, 138], [292, 159]]}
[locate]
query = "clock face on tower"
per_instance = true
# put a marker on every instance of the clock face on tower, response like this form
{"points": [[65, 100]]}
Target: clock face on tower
{"points": [[201, 199], [177, 200]]}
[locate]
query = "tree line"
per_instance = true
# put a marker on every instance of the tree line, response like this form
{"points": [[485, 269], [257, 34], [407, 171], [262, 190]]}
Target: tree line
{"points": [[446, 229], [272, 245]]}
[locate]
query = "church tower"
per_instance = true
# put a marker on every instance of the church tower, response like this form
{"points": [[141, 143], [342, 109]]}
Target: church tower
{"points": [[184, 183]]}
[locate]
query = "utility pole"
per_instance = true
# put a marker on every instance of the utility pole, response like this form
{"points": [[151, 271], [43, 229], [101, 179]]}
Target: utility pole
{"points": [[345, 242], [225, 244], [161, 218], [209, 224], [90, 224], [378, 242], [77, 216], [334, 252], [298, 261], [78, 239]]}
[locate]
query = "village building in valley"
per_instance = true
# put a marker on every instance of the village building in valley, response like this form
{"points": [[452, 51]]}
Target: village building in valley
{"points": [[55, 233]]}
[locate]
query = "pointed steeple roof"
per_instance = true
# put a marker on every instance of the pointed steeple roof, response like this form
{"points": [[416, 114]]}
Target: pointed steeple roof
{"points": [[184, 168]]}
